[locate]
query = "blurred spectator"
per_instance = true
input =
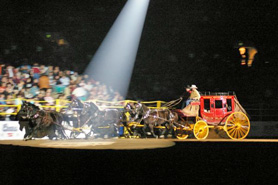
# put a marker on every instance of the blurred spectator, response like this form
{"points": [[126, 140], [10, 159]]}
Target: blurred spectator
{"points": [[36, 70], [82, 83], [68, 73], [10, 100], [17, 78], [36, 82], [10, 71], [41, 83], [49, 70], [4, 79], [80, 93], [24, 68], [40, 96], [52, 81], [2, 69], [18, 99], [43, 69], [25, 76], [73, 76], [28, 83], [62, 99], [28, 94], [56, 71], [65, 81], [21, 85], [15, 92], [2, 99], [3, 86], [44, 82], [34, 90], [88, 86], [49, 99]]}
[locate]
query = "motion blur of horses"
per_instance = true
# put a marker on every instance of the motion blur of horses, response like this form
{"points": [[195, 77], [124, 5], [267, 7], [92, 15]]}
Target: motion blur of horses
{"points": [[87, 120]]}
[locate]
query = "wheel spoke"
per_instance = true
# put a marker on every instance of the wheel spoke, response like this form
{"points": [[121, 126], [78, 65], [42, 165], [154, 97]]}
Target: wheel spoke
{"points": [[245, 127], [242, 132], [237, 125], [245, 122], [231, 126], [232, 132]]}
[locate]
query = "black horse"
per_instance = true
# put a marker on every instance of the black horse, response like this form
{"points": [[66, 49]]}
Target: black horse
{"points": [[81, 120], [24, 122], [101, 122], [45, 123], [109, 119]]}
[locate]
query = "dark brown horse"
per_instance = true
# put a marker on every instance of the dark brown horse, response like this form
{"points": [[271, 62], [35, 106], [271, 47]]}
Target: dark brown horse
{"points": [[45, 123], [154, 118]]}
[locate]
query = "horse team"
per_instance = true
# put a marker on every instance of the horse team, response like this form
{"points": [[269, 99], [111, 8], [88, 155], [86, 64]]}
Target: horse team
{"points": [[85, 119]]}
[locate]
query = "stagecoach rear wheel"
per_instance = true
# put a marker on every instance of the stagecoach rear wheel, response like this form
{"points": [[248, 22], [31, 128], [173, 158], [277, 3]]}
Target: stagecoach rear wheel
{"points": [[201, 130], [237, 126], [181, 132]]}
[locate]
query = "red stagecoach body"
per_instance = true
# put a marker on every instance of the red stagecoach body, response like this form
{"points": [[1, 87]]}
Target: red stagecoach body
{"points": [[215, 110]]}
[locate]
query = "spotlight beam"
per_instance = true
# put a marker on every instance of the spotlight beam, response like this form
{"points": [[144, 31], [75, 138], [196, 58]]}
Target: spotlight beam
{"points": [[113, 62]]}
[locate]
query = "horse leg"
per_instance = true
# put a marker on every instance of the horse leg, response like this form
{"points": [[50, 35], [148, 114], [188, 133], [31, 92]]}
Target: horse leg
{"points": [[116, 129], [62, 132], [28, 137], [152, 131]]}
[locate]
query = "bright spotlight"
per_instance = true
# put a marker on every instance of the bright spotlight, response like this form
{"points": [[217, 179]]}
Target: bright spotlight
{"points": [[113, 62]]}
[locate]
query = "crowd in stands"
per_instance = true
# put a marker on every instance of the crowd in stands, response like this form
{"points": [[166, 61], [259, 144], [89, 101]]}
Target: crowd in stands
{"points": [[45, 84]]}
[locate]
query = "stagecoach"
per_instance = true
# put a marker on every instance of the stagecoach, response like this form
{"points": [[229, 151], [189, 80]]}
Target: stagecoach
{"points": [[219, 111]]}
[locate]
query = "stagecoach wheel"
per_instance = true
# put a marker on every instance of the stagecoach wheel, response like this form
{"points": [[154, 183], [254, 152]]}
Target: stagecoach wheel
{"points": [[201, 130], [181, 133], [237, 126]]}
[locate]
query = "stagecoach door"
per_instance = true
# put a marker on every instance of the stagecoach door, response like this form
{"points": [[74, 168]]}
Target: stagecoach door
{"points": [[212, 109], [207, 109]]}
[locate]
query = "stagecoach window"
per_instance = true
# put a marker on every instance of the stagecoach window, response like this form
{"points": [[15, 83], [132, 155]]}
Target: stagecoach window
{"points": [[207, 105], [218, 104], [229, 105]]}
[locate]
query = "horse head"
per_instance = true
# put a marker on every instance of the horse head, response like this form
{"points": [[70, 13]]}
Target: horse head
{"points": [[90, 108], [22, 113], [76, 105], [32, 110]]}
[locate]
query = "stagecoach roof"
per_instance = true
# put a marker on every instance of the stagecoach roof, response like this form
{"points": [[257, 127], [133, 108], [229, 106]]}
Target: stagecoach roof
{"points": [[208, 93]]}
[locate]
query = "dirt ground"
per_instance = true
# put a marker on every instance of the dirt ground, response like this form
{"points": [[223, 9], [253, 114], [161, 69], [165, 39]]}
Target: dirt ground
{"points": [[114, 144]]}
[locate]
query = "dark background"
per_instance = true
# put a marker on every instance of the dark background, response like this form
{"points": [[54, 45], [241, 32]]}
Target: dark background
{"points": [[183, 42], [185, 163]]}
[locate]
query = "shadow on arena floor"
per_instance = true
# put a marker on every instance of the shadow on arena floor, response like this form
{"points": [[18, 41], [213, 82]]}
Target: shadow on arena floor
{"points": [[185, 163]]}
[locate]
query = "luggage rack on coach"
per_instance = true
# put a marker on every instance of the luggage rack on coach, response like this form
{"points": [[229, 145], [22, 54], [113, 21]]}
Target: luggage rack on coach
{"points": [[228, 93]]}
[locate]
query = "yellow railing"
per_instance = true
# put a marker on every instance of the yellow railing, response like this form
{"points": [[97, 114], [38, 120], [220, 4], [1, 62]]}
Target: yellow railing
{"points": [[102, 104]]}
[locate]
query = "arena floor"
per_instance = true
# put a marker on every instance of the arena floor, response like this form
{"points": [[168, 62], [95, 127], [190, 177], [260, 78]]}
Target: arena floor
{"points": [[139, 161], [117, 144]]}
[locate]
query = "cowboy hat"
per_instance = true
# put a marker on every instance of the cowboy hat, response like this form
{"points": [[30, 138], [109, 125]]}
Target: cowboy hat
{"points": [[194, 87]]}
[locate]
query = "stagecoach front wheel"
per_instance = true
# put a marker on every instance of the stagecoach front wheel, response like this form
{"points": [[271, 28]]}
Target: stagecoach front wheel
{"points": [[201, 130], [181, 133], [237, 125]]}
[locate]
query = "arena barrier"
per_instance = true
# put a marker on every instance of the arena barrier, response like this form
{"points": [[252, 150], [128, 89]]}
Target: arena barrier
{"points": [[59, 104], [10, 130]]}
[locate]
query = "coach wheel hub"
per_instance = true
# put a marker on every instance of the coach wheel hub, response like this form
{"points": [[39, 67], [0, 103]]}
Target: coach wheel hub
{"points": [[237, 125]]}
